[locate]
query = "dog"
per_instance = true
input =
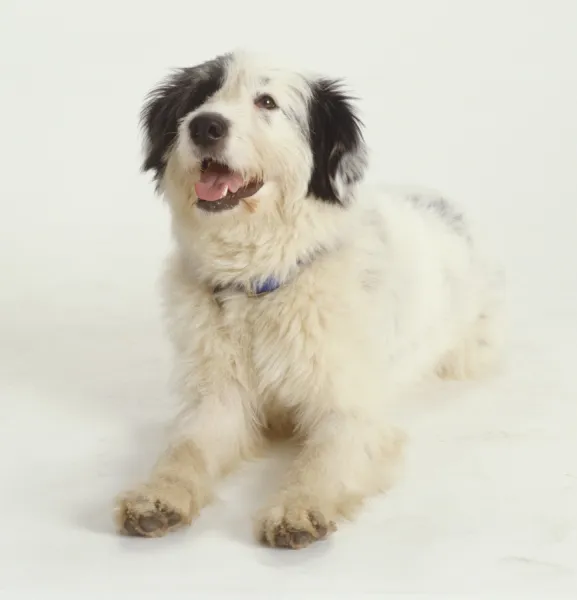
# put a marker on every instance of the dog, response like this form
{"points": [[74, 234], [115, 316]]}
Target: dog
{"points": [[300, 300]]}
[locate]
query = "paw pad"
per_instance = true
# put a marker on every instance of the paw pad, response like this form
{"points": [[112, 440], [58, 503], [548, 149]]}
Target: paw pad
{"points": [[149, 523], [297, 534]]}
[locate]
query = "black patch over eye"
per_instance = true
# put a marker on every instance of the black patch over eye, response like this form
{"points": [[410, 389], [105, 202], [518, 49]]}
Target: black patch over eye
{"points": [[180, 93], [265, 101]]}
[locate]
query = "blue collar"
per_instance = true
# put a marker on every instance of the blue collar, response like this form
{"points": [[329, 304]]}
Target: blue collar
{"points": [[259, 287], [253, 290], [262, 287]]}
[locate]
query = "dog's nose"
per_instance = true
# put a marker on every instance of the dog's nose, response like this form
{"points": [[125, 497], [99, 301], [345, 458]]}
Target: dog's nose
{"points": [[207, 129]]}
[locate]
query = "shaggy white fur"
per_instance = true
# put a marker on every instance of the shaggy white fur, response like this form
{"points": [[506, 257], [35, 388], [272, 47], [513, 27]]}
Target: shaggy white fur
{"points": [[377, 289]]}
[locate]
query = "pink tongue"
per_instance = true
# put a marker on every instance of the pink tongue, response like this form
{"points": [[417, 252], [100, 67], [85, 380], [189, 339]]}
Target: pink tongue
{"points": [[214, 186]]}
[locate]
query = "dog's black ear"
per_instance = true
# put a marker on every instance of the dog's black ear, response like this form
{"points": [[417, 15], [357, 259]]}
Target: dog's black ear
{"points": [[180, 93], [337, 144]]}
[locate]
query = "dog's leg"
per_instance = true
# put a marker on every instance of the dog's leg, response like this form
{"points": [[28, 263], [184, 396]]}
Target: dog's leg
{"points": [[211, 437], [345, 458]]}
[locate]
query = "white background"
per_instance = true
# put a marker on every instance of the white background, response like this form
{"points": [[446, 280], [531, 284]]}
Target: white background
{"points": [[475, 98]]}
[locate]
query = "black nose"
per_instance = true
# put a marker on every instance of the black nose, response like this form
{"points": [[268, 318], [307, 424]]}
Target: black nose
{"points": [[207, 129]]}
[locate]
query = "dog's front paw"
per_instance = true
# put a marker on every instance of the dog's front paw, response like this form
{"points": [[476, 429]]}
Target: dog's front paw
{"points": [[152, 511], [293, 526]]}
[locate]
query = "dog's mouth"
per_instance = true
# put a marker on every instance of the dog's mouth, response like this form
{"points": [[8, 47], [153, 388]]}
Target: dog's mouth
{"points": [[220, 188]]}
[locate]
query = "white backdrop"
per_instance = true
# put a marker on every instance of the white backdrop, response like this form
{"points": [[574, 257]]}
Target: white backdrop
{"points": [[475, 98]]}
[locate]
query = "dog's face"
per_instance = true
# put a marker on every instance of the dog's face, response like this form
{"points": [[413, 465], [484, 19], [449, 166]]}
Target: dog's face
{"points": [[237, 128]]}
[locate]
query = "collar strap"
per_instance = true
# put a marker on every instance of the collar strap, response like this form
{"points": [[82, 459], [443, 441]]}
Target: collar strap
{"points": [[262, 287], [254, 290]]}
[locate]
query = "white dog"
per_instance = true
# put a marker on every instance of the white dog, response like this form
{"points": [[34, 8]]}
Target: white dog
{"points": [[299, 300]]}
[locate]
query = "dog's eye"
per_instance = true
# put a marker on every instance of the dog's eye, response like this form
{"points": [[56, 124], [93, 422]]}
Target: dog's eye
{"points": [[265, 101]]}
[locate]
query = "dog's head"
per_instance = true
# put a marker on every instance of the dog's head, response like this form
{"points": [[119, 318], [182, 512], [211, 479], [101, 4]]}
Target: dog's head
{"points": [[234, 128]]}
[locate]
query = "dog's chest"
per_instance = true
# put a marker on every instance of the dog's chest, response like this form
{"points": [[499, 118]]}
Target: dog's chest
{"points": [[278, 340]]}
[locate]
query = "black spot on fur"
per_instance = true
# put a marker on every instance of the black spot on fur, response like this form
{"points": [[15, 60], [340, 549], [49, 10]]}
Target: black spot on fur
{"points": [[182, 92], [336, 139], [442, 208]]}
